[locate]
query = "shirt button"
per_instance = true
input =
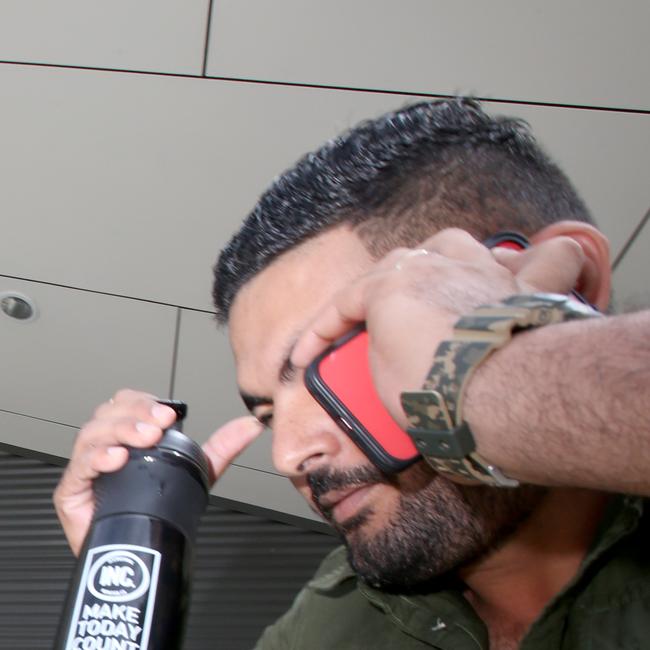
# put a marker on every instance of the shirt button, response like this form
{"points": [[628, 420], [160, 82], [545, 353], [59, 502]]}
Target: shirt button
{"points": [[439, 625]]}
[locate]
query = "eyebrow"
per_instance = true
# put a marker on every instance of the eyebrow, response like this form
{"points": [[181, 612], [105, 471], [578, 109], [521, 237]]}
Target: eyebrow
{"points": [[284, 374], [252, 401]]}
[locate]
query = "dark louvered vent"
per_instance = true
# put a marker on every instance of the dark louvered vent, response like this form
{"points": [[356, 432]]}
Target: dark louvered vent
{"points": [[247, 568]]}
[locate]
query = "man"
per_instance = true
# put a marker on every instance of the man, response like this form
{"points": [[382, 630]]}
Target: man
{"points": [[433, 559]]}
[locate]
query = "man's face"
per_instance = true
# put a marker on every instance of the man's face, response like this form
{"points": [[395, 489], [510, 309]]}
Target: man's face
{"points": [[401, 530]]}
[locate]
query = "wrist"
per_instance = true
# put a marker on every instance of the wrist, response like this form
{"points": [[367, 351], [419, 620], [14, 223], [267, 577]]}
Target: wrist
{"points": [[437, 420], [502, 380]]}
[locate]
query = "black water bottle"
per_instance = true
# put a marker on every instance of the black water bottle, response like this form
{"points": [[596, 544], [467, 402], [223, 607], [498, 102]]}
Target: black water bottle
{"points": [[131, 587]]}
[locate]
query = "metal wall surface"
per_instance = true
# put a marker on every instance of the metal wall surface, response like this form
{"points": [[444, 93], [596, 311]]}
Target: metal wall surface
{"points": [[247, 568]]}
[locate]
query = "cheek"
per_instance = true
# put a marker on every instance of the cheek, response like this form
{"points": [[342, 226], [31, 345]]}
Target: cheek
{"points": [[417, 477]]}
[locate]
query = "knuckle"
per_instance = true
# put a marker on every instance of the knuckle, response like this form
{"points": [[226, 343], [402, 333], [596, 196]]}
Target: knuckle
{"points": [[124, 395], [452, 242], [123, 429], [395, 254], [447, 235], [455, 232]]}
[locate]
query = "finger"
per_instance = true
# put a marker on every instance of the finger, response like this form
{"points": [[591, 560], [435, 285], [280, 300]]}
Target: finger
{"points": [[452, 243], [554, 265], [142, 406], [96, 455], [101, 447], [81, 471], [457, 244], [509, 258], [340, 315], [126, 396], [350, 305], [398, 257], [225, 444], [133, 419], [128, 431]]}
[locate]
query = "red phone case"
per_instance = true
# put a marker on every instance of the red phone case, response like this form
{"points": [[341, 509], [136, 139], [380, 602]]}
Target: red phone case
{"points": [[340, 380]]}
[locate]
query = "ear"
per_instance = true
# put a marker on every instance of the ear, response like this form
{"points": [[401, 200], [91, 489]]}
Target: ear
{"points": [[594, 282]]}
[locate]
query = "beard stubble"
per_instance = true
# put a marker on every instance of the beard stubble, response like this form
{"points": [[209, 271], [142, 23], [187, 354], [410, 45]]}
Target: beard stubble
{"points": [[437, 528]]}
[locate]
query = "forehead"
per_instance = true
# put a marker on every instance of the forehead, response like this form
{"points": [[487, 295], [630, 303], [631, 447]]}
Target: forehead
{"points": [[274, 307]]}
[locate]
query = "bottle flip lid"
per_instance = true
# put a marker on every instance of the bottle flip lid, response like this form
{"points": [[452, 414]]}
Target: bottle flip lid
{"points": [[178, 443]]}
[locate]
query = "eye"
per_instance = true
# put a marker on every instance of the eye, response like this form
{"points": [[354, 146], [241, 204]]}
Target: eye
{"points": [[287, 372], [265, 419]]}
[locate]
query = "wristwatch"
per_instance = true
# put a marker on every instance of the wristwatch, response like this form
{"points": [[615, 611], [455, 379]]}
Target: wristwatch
{"points": [[435, 412]]}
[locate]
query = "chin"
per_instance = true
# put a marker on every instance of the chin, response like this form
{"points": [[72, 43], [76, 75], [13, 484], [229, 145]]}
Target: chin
{"points": [[434, 532]]}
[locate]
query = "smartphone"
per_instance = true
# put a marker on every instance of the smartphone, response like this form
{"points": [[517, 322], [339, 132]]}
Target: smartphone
{"points": [[341, 382], [507, 239]]}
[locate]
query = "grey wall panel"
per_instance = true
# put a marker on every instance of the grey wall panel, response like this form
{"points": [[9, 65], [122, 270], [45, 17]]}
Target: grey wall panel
{"points": [[578, 52], [36, 435], [156, 35], [631, 288], [131, 184], [205, 369], [81, 348]]}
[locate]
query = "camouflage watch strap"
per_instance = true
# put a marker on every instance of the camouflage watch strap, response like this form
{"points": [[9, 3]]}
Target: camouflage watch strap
{"points": [[435, 412]]}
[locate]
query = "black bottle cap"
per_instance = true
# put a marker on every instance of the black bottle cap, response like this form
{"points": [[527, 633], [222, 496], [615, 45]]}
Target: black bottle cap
{"points": [[178, 443]]}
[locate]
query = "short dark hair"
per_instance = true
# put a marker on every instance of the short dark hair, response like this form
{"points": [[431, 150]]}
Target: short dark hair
{"points": [[396, 180]]}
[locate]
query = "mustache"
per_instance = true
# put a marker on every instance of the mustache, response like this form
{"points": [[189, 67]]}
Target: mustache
{"points": [[325, 480]]}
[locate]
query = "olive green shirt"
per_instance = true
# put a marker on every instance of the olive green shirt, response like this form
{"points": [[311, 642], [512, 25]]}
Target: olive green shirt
{"points": [[605, 606]]}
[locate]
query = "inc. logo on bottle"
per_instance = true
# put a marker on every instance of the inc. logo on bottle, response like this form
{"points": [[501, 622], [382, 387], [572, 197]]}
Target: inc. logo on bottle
{"points": [[119, 576]]}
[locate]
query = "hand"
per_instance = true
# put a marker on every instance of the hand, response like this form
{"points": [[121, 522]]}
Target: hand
{"points": [[131, 419], [411, 299]]}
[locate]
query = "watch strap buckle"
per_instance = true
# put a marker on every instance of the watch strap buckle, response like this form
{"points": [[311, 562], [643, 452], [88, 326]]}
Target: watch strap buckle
{"points": [[431, 427]]}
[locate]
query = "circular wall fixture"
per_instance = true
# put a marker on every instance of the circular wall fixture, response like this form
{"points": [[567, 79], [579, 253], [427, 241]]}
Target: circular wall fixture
{"points": [[18, 306]]}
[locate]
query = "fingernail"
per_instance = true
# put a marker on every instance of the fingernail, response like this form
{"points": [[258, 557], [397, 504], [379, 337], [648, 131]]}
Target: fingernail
{"points": [[112, 451], [160, 412], [147, 429]]}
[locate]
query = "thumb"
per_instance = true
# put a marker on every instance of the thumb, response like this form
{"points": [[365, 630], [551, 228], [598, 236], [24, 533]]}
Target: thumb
{"points": [[227, 442]]}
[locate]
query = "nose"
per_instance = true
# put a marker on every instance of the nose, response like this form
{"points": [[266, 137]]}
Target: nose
{"points": [[304, 436]]}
